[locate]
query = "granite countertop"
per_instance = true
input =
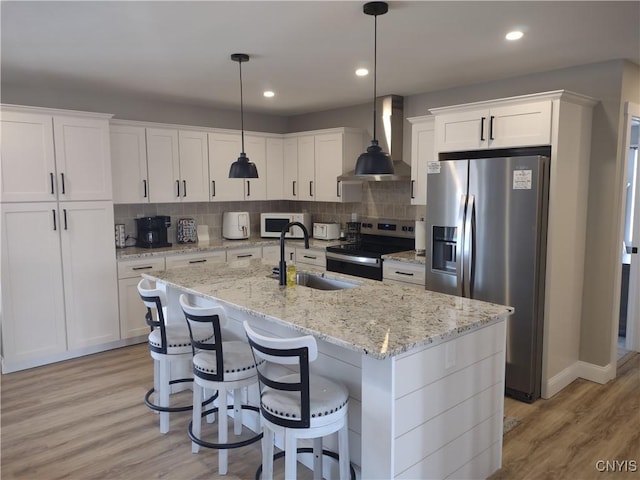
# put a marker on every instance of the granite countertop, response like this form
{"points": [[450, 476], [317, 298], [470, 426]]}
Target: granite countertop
{"points": [[409, 256], [129, 253], [373, 318]]}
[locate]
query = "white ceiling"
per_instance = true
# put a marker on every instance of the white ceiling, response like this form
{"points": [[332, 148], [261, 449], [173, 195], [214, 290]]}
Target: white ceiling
{"points": [[306, 51]]}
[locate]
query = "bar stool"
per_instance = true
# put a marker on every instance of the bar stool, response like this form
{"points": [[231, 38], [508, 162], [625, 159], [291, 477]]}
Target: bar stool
{"points": [[298, 405], [168, 343], [223, 366]]}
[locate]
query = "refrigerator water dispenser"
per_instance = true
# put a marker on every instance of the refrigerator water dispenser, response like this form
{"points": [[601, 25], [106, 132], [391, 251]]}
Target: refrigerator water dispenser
{"points": [[443, 257]]}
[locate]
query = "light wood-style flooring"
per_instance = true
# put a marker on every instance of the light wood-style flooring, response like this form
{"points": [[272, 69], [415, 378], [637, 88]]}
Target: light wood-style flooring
{"points": [[85, 419]]}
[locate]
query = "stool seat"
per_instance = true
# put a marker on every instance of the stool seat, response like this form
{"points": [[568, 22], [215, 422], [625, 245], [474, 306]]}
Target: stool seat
{"points": [[238, 362], [325, 398], [178, 338]]}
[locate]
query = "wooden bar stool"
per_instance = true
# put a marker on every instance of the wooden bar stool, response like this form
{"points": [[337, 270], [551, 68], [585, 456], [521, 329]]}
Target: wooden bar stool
{"points": [[298, 405], [225, 366], [168, 343]]}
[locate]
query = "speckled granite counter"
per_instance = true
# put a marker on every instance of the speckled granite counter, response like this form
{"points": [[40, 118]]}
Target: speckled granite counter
{"points": [[130, 253], [408, 257], [376, 319]]}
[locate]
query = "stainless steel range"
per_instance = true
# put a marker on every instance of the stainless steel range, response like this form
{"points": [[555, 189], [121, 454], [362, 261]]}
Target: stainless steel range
{"points": [[362, 257]]}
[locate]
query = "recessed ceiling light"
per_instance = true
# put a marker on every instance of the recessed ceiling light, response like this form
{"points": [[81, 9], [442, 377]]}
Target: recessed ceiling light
{"points": [[269, 94], [362, 72], [515, 35]]}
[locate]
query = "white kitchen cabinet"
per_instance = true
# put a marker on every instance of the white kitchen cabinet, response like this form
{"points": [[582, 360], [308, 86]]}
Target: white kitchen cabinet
{"points": [[243, 253], [178, 165], [290, 182], [511, 123], [271, 253], [129, 164], [59, 280], [404, 273], [323, 156], [53, 154], [422, 152], [275, 169], [316, 256], [190, 259], [132, 310], [224, 149]]}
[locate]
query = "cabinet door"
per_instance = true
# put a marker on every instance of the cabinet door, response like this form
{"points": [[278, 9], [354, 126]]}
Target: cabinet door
{"points": [[328, 166], [129, 164], [306, 167], [132, 310], [194, 166], [163, 165], [422, 152], [191, 259], [89, 271], [27, 165], [520, 125], [256, 149], [462, 131], [83, 158], [33, 324], [224, 149], [275, 169], [290, 183]]}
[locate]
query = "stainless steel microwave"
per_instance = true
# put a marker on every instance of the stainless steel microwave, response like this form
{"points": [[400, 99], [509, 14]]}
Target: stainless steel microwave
{"points": [[271, 224]]}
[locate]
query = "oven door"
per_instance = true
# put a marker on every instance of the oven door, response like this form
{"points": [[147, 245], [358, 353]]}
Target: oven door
{"points": [[358, 266]]}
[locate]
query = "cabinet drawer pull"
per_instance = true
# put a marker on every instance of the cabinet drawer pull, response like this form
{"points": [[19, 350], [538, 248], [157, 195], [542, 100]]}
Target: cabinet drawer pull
{"points": [[177, 188], [293, 186], [482, 128], [311, 188], [404, 273], [213, 188], [55, 226], [412, 191], [310, 257], [246, 255], [198, 261], [338, 188], [491, 128], [144, 185], [51, 177], [248, 188], [146, 267], [184, 188], [62, 176], [64, 212]]}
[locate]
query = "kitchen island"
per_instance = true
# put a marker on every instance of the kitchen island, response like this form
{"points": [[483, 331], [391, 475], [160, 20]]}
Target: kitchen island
{"points": [[425, 371]]}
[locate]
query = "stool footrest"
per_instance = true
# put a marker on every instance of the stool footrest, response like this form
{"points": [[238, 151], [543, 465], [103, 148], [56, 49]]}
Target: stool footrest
{"points": [[186, 408], [328, 453], [224, 446]]}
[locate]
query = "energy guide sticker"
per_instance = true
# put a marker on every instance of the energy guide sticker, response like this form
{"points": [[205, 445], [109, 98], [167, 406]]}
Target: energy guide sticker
{"points": [[522, 179], [433, 167]]}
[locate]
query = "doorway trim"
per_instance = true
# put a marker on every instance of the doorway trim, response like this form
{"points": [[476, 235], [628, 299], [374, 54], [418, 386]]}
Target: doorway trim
{"points": [[631, 111]]}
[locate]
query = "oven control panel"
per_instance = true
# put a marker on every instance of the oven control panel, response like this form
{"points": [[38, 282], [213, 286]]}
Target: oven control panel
{"points": [[392, 228]]}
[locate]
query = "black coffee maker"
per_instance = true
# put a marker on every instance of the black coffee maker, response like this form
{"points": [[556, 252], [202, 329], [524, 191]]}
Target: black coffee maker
{"points": [[152, 231]]}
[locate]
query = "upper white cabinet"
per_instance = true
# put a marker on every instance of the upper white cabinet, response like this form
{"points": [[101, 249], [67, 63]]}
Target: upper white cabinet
{"points": [[129, 164], [178, 165], [275, 169], [513, 123], [290, 186], [422, 152], [224, 149], [50, 155], [322, 157]]}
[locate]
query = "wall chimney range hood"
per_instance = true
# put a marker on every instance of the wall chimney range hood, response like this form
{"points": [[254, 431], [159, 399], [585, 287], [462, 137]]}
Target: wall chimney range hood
{"points": [[389, 135]]}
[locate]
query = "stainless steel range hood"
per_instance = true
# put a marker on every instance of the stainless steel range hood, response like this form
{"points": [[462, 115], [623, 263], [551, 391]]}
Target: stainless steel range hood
{"points": [[389, 124]]}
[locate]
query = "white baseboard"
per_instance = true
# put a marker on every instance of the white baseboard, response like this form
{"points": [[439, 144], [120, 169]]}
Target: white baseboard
{"points": [[588, 371]]}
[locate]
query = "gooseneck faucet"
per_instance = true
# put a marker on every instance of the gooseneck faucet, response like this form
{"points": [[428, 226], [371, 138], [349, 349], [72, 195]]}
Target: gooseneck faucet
{"points": [[283, 264]]}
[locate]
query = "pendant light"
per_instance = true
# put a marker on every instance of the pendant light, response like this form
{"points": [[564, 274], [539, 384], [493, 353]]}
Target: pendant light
{"points": [[374, 161], [243, 167]]}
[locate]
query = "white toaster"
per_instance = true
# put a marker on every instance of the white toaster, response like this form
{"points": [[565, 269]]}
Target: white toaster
{"points": [[326, 231]]}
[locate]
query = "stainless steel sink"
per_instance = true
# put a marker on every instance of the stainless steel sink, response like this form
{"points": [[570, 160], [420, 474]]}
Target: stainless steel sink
{"points": [[320, 282]]}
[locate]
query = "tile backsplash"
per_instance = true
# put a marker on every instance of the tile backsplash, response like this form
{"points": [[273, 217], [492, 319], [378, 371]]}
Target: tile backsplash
{"points": [[379, 199]]}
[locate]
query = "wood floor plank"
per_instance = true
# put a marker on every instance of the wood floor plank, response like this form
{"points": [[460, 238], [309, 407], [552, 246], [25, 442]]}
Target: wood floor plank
{"points": [[86, 419]]}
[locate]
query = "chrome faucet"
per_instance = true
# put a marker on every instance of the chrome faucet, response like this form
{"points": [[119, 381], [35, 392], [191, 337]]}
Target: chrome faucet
{"points": [[283, 264]]}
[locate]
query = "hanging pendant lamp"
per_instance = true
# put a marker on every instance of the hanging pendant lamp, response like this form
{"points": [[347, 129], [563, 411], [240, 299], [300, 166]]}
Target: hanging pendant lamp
{"points": [[243, 167], [374, 161]]}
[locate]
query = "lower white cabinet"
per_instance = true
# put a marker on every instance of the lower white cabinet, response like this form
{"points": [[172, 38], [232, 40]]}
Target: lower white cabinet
{"points": [[188, 259], [132, 310], [311, 256], [59, 292], [271, 253], [404, 273]]}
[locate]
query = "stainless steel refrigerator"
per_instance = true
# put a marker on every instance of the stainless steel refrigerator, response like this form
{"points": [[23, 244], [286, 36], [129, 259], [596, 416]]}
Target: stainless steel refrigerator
{"points": [[486, 240]]}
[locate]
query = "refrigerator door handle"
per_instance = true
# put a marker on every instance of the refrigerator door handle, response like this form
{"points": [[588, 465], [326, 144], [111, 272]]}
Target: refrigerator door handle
{"points": [[469, 246], [460, 241]]}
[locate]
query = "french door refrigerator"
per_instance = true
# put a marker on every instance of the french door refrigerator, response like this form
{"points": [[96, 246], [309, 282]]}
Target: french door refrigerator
{"points": [[486, 240]]}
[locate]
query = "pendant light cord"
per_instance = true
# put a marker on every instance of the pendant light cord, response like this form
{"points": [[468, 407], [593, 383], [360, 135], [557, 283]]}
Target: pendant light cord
{"points": [[375, 67], [241, 107]]}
